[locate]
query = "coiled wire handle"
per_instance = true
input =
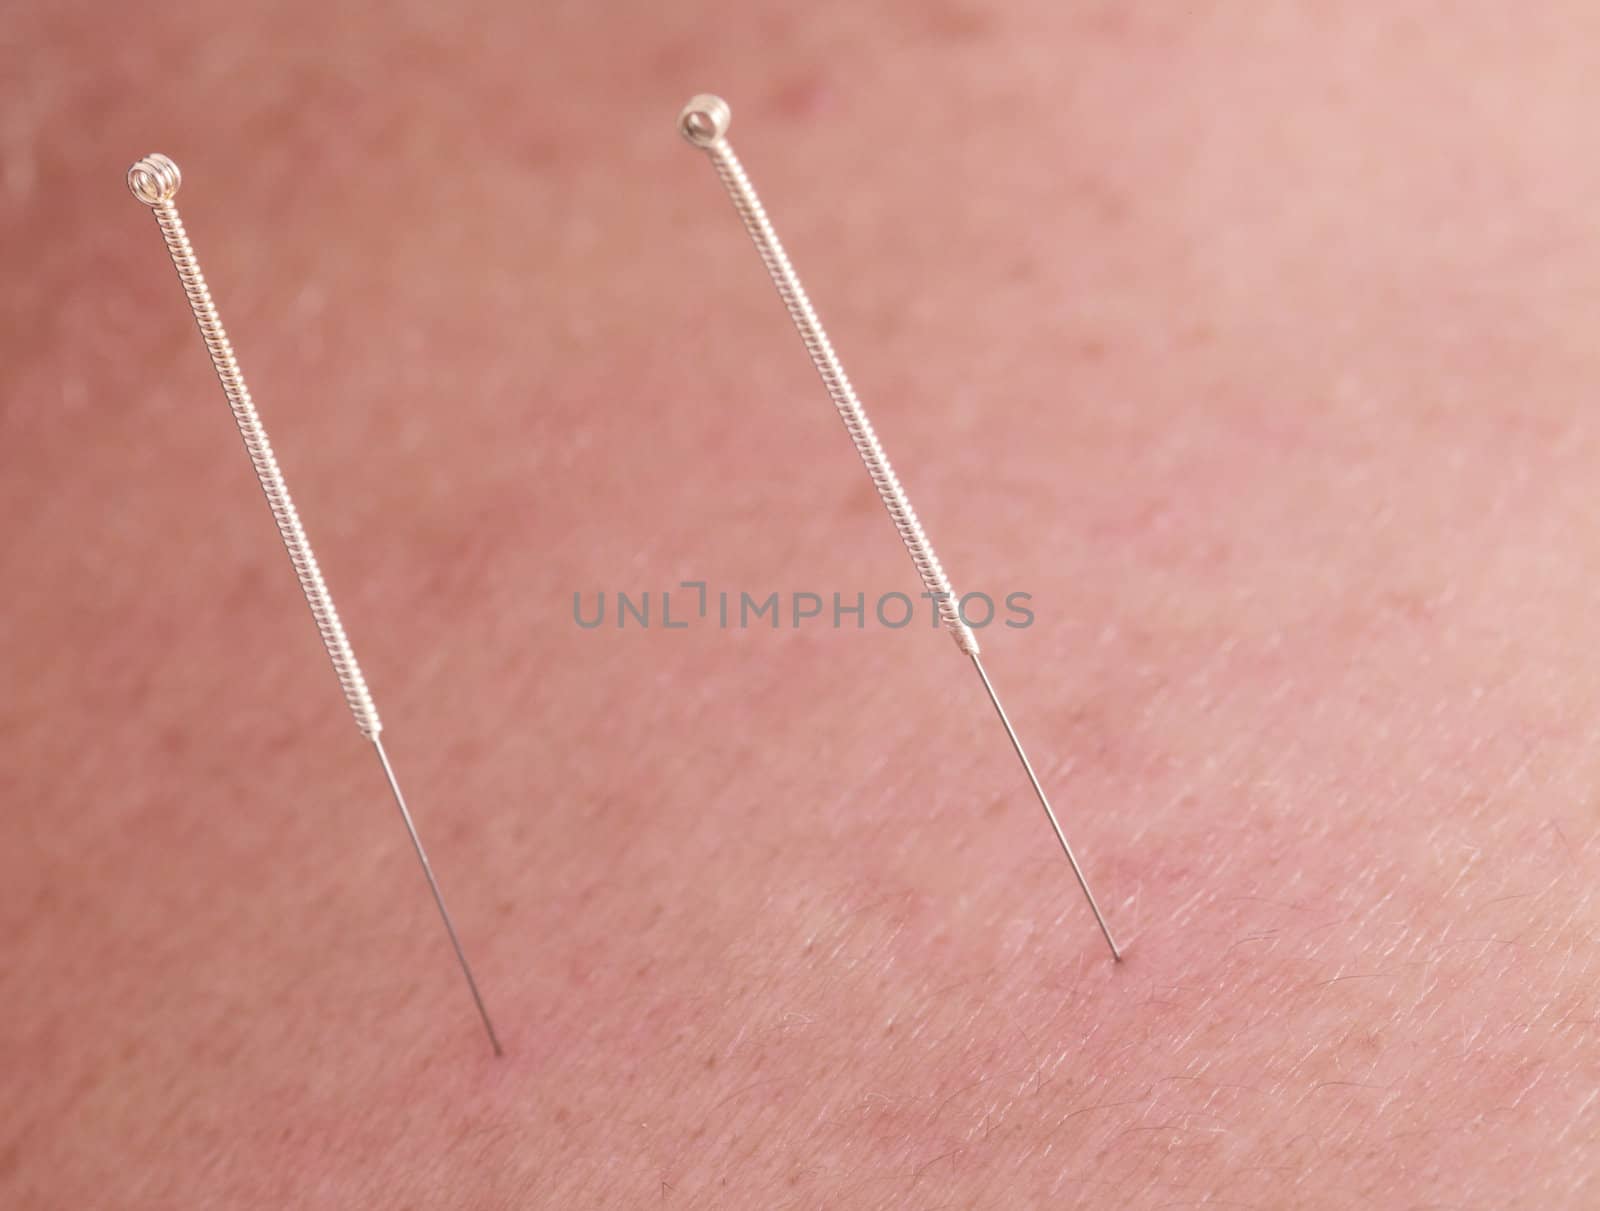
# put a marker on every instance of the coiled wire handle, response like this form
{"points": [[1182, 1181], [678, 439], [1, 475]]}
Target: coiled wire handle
{"points": [[704, 122], [154, 180]]}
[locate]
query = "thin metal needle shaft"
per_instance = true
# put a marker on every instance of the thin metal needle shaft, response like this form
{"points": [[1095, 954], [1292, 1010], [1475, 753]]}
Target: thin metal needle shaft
{"points": [[1049, 811], [154, 180], [438, 896], [704, 123]]}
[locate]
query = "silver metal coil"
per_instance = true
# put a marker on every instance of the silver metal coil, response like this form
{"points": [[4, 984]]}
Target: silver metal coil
{"points": [[154, 180], [704, 122]]}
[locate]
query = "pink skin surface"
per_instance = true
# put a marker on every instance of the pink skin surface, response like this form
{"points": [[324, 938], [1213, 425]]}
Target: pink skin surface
{"points": [[1257, 342]]}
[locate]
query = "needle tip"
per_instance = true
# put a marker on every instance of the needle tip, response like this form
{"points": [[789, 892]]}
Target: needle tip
{"points": [[154, 180], [704, 120]]}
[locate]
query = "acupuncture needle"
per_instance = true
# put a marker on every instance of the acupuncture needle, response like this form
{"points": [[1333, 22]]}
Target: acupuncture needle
{"points": [[154, 180], [704, 122]]}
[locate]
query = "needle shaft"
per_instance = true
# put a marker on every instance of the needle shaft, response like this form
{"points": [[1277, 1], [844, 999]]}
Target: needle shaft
{"points": [[1049, 811], [438, 896]]}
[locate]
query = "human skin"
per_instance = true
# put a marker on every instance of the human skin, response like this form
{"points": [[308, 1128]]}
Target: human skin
{"points": [[1254, 341]]}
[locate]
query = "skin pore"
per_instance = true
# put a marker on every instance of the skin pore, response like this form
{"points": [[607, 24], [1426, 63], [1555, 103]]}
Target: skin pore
{"points": [[1254, 341]]}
